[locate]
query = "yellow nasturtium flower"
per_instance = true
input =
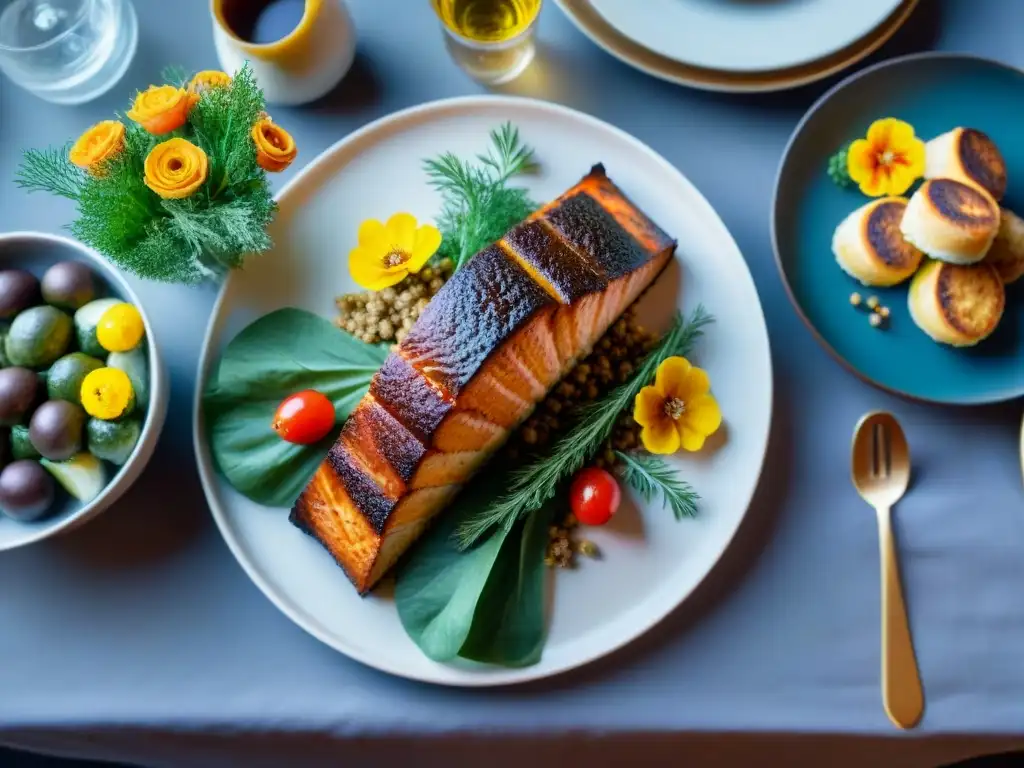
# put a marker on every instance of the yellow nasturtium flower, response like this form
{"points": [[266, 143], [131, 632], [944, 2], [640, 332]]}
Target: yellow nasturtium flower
{"points": [[176, 168], [161, 109], [275, 148], [388, 252], [888, 161], [678, 410], [98, 145], [107, 393]]}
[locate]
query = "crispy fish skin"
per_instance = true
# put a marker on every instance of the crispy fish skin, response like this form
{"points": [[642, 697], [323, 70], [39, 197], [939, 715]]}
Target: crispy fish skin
{"points": [[490, 345]]}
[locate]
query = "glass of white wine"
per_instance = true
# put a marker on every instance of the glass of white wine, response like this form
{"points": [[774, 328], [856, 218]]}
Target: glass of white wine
{"points": [[492, 40], [67, 51]]}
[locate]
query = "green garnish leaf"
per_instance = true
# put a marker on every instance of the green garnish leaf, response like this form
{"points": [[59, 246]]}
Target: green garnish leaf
{"points": [[276, 356], [651, 476], [478, 207], [838, 170], [486, 604], [530, 487]]}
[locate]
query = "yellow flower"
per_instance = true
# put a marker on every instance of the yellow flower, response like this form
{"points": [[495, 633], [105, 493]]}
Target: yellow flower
{"points": [[679, 410], [98, 145], [204, 81], [387, 253], [161, 109], [176, 168], [120, 328], [275, 148], [888, 161], [107, 393]]}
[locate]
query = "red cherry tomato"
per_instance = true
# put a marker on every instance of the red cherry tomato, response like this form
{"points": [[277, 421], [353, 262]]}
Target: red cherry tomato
{"points": [[304, 417], [594, 496]]}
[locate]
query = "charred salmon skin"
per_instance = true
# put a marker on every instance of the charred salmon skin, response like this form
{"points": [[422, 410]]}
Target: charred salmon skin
{"points": [[489, 346]]}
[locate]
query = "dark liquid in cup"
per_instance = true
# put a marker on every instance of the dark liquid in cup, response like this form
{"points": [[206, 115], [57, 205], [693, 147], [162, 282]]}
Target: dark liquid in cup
{"points": [[263, 21]]}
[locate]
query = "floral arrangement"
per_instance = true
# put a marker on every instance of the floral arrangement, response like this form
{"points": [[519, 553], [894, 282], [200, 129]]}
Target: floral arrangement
{"points": [[178, 191]]}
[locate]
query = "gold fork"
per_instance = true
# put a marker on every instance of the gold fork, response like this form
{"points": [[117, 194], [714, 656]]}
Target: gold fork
{"points": [[881, 474]]}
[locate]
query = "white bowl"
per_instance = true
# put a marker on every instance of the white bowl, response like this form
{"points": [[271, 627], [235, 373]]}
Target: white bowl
{"points": [[35, 251]]}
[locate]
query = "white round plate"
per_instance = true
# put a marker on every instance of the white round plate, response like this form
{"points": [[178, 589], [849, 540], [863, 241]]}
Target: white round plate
{"points": [[745, 35], [651, 561]]}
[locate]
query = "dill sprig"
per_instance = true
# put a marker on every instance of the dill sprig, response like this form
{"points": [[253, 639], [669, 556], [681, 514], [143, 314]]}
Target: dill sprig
{"points": [[538, 481], [182, 241], [478, 205], [651, 476]]}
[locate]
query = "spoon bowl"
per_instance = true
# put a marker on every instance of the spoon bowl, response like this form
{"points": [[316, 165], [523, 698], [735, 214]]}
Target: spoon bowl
{"points": [[881, 459]]}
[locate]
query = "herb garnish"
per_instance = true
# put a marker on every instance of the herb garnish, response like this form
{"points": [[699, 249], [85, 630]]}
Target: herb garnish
{"points": [[188, 240], [531, 486], [478, 206], [838, 169], [651, 475]]}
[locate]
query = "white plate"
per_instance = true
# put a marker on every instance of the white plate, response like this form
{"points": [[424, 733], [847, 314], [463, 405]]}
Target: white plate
{"points": [[745, 35], [652, 562]]}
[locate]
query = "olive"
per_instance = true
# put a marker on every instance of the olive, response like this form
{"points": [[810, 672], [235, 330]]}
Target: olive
{"points": [[56, 429], [26, 490], [69, 285], [19, 389], [18, 290]]}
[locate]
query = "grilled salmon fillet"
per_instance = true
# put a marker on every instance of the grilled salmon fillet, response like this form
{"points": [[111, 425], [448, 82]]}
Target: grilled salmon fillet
{"points": [[489, 346]]}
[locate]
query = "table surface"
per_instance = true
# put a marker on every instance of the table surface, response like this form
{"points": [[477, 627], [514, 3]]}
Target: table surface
{"points": [[142, 623]]}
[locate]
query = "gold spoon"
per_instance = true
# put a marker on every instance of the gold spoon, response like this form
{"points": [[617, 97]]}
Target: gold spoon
{"points": [[881, 474]]}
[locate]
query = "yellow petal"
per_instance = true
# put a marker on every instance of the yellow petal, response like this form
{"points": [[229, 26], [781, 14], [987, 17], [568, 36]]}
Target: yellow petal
{"points": [[660, 436], [671, 377], [697, 383], [914, 155], [880, 132], [860, 160], [900, 179], [372, 237], [875, 185], [649, 406], [702, 415], [901, 135], [401, 232], [427, 241], [368, 270], [689, 439]]}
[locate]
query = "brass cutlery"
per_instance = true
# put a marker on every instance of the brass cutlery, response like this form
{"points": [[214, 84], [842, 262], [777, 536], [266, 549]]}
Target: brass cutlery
{"points": [[881, 474]]}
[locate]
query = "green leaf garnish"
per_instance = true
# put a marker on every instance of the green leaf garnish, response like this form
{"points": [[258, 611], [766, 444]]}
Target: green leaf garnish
{"points": [[837, 168], [486, 604], [651, 476], [276, 356], [531, 486], [478, 207]]}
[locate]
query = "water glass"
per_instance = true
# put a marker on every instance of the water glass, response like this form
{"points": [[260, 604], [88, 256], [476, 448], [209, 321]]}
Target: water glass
{"points": [[67, 51], [492, 40]]}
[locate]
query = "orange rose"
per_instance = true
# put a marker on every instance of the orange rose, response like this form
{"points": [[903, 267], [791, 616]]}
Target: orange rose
{"points": [[161, 109], [176, 168], [275, 148], [205, 81], [98, 145]]}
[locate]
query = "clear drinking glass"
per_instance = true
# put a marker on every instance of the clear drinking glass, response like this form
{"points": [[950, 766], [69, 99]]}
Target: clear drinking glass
{"points": [[492, 40], [67, 51]]}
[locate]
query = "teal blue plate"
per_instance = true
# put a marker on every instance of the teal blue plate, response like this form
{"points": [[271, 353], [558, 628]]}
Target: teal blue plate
{"points": [[934, 93]]}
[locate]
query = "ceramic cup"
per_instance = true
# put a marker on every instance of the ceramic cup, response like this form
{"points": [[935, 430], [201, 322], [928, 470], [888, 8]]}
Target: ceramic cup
{"points": [[302, 65]]}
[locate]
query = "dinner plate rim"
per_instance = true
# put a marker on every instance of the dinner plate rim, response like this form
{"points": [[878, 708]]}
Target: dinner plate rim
{"points": [[497, 676], [720, 81], [966, 401], [638, 29]]}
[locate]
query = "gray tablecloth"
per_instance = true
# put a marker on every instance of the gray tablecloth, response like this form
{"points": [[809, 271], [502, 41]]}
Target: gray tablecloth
{"points": [[139, 636]]}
